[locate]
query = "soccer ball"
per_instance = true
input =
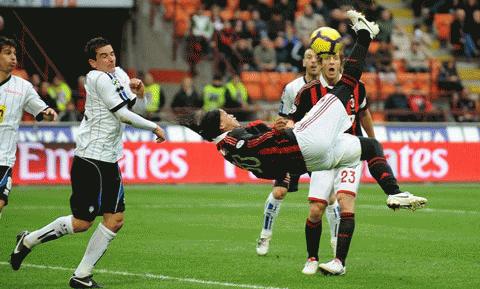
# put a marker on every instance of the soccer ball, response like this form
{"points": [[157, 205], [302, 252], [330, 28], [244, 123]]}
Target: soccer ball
{"points": [[325, 41]]}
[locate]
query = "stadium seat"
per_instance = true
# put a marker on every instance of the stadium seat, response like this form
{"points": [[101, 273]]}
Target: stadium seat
{"points": [[271, 84], [232, 4], [373, 47], [370, 79], [399, 65], [254, 90], [386, 88], [245, 15], [250, 76], [226, 14], [378, 116], [405, 77], [286, 77], [442, 22]]}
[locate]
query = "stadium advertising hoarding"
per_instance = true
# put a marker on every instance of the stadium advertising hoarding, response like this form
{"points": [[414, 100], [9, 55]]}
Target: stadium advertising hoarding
{"points": [[67, 3], [44, 157]]}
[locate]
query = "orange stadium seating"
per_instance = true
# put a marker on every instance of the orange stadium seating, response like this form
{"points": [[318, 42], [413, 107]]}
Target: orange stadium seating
{"points": [[442, 22]]}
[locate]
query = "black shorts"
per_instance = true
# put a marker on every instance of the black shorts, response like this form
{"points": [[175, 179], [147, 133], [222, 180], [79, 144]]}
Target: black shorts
{"points": [[97, 188], [5, 183]]}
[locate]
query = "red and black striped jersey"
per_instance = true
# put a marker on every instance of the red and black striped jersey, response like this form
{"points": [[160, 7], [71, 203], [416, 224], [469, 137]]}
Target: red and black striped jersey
{"points": [[262, 150], [309, 95]]}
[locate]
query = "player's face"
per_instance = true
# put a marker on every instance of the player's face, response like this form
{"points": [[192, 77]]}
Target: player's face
{"points": [[330, 66], [310, 62], [105, 59], [227, 121], [8, 59]]}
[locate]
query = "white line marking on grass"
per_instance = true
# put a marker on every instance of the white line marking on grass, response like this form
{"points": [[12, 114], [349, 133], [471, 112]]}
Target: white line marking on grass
{"points": [[152, 276], [239, 205]]}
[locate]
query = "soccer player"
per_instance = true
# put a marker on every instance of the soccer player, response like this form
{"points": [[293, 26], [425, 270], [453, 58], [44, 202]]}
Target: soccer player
{"points": [[97, 187], [315, 143], [280, 189], [16, 95], [340, 183]]}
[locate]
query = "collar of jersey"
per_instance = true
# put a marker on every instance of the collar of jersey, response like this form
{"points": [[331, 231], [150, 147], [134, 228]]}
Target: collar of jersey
{"points": [[220, 137], [324, 82], [6, 80]]}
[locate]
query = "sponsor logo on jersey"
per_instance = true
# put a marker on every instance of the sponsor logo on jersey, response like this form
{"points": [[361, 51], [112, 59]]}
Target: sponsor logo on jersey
{"points": [[3, 111]]}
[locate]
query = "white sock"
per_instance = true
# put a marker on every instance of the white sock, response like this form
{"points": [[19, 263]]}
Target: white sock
{"points": [[333, 218], [270, 213], [56, 229], [96, 248]]}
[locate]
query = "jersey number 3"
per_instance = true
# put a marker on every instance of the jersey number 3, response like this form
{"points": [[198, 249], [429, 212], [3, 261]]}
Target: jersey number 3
{"points": [[248, 163]]}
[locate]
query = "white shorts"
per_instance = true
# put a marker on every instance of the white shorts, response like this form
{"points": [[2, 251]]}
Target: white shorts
{"points": [[344, 180], [321, 138]]}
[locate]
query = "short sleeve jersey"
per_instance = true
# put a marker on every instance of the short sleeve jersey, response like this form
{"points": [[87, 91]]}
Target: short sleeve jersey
{"points": [[16, 95], [309, 95], [289, 93], [99, 136]]}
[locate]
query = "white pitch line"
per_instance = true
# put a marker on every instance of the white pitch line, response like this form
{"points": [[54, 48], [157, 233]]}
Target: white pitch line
{"points": [[241, 205], [152, 276]]}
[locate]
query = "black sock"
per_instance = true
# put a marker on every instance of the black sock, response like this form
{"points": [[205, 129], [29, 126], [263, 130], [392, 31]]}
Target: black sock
{"points": [[383, 174], [345, 233], [372, 152], [313, 231]]}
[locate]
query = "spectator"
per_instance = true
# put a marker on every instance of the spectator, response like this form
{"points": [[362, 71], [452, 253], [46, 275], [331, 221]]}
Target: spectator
{"points": [[374, 11], [448, 78], [464, 107], [216, 19], [251, 33], [420, 105], [36, 81], [243, 56], [298, 51], [214, 94], [421, 35], [276, 25], [460, 38], [62, 93], [308, 22], [155, 97], [260, 24], [81, 96], [287, 9], [396, 106], [476, 29], [265, 56], [416, 60], [70, 113], [263, 6], [199, 39], [384, 57], [186, 97], [238, 98], [283, 54], [46, 94], [320, 8], [386, 25]]}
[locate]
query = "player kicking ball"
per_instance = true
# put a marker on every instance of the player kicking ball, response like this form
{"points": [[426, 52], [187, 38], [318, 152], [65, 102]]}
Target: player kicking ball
{"points": [[316, 143]]}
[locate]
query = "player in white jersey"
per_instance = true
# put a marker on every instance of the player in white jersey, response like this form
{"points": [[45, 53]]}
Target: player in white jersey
{"points": [[97, 187], [16, 95], [280, 189]]}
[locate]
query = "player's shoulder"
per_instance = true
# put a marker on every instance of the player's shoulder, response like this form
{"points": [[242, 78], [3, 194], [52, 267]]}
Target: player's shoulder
{"points": [[309, 85], [19, 82], [97, 77]]}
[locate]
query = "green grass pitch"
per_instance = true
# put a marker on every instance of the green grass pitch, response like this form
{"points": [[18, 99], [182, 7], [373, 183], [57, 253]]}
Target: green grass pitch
{"points": [[203, 236]]}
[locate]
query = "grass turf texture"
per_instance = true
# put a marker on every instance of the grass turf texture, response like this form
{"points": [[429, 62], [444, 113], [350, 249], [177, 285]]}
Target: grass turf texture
{"points": [[208, 232]]}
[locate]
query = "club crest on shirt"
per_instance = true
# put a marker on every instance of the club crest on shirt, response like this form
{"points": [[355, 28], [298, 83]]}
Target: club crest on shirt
{"points": [[240, 143], [3, 111]]}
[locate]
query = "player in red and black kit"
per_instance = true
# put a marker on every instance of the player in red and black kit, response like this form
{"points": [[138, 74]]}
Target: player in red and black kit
{"points": [[316, 143]]}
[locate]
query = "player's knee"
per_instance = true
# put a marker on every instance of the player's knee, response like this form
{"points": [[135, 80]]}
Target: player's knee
{"points": [[113, 222], [316, 211], [279, 193], [80, 225], [346, 202]]}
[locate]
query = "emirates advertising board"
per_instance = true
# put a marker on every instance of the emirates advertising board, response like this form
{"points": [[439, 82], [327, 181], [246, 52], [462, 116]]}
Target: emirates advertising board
{"points": [[44, 156]]}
